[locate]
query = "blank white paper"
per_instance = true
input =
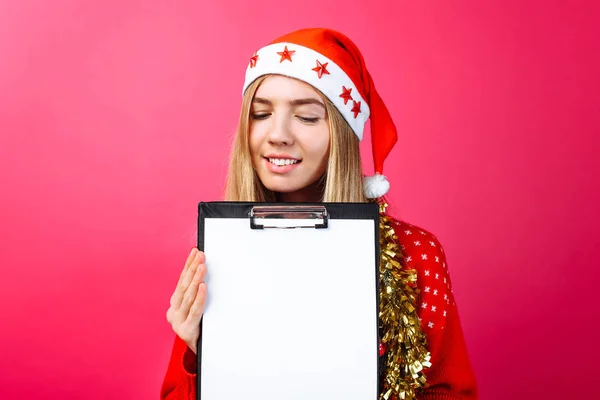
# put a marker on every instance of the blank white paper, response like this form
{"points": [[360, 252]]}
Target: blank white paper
{"points": [[291, 313]]}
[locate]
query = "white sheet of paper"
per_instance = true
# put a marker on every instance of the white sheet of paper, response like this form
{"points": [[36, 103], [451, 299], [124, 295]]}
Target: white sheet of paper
{"points": [[291, 313]]}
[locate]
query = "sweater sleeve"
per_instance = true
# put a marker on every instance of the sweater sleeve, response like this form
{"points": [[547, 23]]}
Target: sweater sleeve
{"points": [[180, 379], [450, 376]]}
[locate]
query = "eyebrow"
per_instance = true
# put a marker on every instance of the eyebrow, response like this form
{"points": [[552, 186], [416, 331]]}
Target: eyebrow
{"points": [[297, 102]]}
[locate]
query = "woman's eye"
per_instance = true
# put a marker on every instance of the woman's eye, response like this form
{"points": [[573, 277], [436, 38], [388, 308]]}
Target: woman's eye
{"points": [[308, 120], [260, 116]]}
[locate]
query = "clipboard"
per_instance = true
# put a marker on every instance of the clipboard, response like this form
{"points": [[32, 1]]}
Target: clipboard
{"points": [[293, 301]]}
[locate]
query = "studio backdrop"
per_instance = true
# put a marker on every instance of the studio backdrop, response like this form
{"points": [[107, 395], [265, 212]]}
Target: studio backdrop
{"points": [[116, 119]]}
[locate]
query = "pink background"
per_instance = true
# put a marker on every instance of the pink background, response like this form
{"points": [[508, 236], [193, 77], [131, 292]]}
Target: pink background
{"points": [[115, 121]]}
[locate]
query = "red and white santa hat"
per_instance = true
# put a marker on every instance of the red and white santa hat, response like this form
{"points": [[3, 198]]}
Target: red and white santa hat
{"points": [[332, 63]]}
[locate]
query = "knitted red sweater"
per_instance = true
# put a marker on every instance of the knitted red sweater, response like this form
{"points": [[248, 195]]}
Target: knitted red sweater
{"points": [[450, 376]]}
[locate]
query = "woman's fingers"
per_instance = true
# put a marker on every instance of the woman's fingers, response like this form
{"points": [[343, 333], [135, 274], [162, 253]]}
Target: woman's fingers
{"points": [[198, 307], [187, 302], [198, 258], [192, 291], [188, 262], [178, 294], [187, 277]]}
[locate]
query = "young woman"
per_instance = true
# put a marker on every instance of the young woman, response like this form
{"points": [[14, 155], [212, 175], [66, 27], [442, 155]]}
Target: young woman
{"points": [[306, 99]]}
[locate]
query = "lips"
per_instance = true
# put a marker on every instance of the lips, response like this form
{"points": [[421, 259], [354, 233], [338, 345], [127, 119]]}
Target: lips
{"points": [[281, 163], [281, 156]]}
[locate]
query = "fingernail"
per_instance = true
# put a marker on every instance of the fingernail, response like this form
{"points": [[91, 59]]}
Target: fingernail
{"points": [[192, 252]]}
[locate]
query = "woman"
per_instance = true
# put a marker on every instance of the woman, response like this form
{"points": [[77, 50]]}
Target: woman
{"points": [[306, 99]]}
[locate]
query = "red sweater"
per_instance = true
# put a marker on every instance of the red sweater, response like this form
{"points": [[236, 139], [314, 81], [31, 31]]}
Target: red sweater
{"points": [[450, 376]]}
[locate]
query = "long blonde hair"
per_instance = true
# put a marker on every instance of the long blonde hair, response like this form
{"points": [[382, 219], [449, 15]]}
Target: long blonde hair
{"points": [[343, 178]]}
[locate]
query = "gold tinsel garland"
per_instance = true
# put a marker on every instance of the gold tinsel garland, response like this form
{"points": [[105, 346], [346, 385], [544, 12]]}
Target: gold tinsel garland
{"points": [[403, 347]]}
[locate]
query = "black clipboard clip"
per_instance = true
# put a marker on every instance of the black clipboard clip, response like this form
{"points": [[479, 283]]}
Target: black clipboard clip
{"points": [[288, 217]]}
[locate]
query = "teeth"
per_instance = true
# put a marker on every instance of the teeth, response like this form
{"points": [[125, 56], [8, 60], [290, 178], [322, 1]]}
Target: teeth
{"points": [[282, 161]]}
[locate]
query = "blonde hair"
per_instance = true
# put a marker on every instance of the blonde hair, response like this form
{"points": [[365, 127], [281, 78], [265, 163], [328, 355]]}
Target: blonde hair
{"points": [[343, 178]]}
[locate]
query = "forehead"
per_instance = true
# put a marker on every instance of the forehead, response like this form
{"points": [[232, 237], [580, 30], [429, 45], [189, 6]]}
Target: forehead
{"points": [[285, 88]]}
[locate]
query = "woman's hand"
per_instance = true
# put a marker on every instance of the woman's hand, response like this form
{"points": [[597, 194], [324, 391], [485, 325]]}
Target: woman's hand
{"points": [[187, 302]]}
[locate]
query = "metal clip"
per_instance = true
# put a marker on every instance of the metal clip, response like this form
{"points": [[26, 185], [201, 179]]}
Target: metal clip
{"points": [[288, 217]]}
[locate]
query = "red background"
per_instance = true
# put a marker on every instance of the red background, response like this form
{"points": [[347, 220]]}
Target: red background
{"points": [[116, 119]]}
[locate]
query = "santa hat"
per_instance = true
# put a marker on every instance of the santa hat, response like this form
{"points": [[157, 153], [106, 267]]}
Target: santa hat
{"points": [[332, 63]]}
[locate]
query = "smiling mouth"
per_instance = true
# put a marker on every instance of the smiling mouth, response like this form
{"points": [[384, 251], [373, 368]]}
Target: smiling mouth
{"points": [[282, 161]]}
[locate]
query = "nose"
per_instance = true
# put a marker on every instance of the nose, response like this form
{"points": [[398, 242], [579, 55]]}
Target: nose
{"points": [[280, 133]]}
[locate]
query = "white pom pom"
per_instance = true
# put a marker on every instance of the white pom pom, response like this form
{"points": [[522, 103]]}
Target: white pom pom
{"points": [[375, 186]]}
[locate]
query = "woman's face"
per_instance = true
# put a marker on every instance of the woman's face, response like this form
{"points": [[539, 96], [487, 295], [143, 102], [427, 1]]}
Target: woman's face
{"points": [[289, 138]]}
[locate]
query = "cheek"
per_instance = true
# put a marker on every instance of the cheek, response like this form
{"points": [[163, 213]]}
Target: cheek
{"points": [[320, 146]]}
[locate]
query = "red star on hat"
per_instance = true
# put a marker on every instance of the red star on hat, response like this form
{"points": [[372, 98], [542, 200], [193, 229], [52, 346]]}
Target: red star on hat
{"points": [[356, 108], [321, 69], [286, 54], [346, 94], [253, 60]]}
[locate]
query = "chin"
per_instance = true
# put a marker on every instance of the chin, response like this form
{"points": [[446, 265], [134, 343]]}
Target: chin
{"points": [[281, 187]]}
